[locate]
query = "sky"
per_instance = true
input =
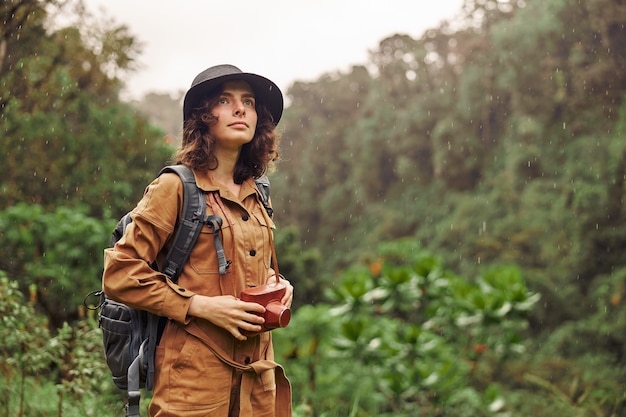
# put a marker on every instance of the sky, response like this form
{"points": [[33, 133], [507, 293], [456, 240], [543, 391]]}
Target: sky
{"points": [[284, 40]]}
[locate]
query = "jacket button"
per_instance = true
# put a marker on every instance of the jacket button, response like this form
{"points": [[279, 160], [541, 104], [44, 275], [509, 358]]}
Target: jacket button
{"points": [[245, 217], [252, 252], [247, 360]]}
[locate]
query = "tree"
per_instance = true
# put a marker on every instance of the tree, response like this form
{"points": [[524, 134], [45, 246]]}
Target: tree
{"points": [[67, 138], [56, 255], [72, 152]]}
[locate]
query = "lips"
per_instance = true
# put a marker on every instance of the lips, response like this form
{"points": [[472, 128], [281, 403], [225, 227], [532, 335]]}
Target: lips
{"points": [[238, 124]]}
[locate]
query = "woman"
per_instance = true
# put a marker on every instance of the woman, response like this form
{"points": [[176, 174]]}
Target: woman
{"points": [[205, 365]]}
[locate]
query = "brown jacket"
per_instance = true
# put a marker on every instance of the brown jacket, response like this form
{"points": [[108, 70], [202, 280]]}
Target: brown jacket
{"points": [[190, 379]]}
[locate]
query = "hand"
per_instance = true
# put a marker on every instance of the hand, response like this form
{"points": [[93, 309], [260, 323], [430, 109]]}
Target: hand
{"points": [[228, 313], [288, 298]]}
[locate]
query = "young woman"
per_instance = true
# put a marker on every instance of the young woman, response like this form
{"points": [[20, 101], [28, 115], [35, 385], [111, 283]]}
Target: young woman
{"points": [[207, 364]]}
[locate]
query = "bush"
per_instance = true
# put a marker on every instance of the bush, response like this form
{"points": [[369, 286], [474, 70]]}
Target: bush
{"points": [[60, 373], [405, 334]]}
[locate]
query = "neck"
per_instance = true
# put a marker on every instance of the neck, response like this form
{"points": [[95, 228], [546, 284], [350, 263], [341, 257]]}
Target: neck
{"points": [[225, 170], [225, 177]]}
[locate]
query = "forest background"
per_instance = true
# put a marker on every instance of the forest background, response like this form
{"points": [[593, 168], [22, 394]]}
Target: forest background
{"points": [[451, 213]]}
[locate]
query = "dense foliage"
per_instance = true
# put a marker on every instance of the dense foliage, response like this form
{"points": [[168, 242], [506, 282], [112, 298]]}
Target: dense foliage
{"points": [[407, 337], [499, 138], [70, 149], [44, 372], [66, 137], [496, 142]]}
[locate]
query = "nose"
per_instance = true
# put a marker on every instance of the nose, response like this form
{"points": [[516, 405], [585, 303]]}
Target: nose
{"points": [[240, 109]]}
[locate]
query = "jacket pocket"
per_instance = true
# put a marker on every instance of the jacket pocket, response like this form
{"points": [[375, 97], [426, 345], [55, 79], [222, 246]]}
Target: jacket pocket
{"points": [[197, 381]]}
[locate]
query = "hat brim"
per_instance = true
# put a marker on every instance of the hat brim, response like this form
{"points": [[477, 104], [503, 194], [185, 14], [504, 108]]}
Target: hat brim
{"points": [[265, 91]]}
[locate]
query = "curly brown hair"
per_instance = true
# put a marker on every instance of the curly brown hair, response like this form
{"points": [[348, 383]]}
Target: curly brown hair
{"points": [[197, 149]]}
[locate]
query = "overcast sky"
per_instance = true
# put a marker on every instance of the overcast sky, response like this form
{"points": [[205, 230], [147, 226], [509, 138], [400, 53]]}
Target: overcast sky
{"points": [[284, 40]]}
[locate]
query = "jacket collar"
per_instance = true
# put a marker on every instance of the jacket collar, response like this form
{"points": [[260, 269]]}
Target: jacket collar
{"points": [[205, 183]]}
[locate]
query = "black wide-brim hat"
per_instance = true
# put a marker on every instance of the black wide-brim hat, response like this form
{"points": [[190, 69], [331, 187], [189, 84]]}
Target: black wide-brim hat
{"points": [[265, 91]]}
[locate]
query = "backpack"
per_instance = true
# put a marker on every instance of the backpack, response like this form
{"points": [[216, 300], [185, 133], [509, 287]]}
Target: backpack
{"points": [[130, 336]]}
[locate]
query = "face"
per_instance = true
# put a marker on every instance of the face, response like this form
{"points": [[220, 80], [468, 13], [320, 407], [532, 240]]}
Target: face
{"points": [[236, 115]]}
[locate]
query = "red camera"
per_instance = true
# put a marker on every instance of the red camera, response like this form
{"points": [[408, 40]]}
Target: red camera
{"points": [[269, 296]]}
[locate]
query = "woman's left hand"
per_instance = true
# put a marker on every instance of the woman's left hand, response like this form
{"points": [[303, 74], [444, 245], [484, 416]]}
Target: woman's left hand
{"points": [[288, 298]]}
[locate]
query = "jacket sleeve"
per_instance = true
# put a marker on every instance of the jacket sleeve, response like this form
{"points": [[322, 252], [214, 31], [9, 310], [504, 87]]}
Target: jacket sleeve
{"points": [[128, 277]]}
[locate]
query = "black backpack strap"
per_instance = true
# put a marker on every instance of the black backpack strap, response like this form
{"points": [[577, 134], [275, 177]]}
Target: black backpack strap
{"points": [[263, 184], [134, 375], [187, 232], [188, 229], [215, 222], [120, 228]]}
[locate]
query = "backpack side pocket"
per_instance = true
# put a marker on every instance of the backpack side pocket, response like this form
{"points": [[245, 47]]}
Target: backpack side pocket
{"points": [[116, 321]]}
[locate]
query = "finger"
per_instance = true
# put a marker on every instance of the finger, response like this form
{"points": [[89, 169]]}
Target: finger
{"points": [[237, 334], [254, 319], [250, 327], [250, 307], [287, 299]]}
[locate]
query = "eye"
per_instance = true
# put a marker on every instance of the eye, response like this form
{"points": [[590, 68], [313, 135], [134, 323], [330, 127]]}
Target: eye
{"points": [[248, 102], [222, 100]]}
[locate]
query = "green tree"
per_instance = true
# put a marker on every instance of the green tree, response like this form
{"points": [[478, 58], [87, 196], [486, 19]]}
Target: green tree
{"points": [[58, 255], [66, 137], [496, 138]]}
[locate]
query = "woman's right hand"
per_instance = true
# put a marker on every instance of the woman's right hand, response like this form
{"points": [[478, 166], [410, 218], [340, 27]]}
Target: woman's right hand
{"points": [[228, 312]]}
